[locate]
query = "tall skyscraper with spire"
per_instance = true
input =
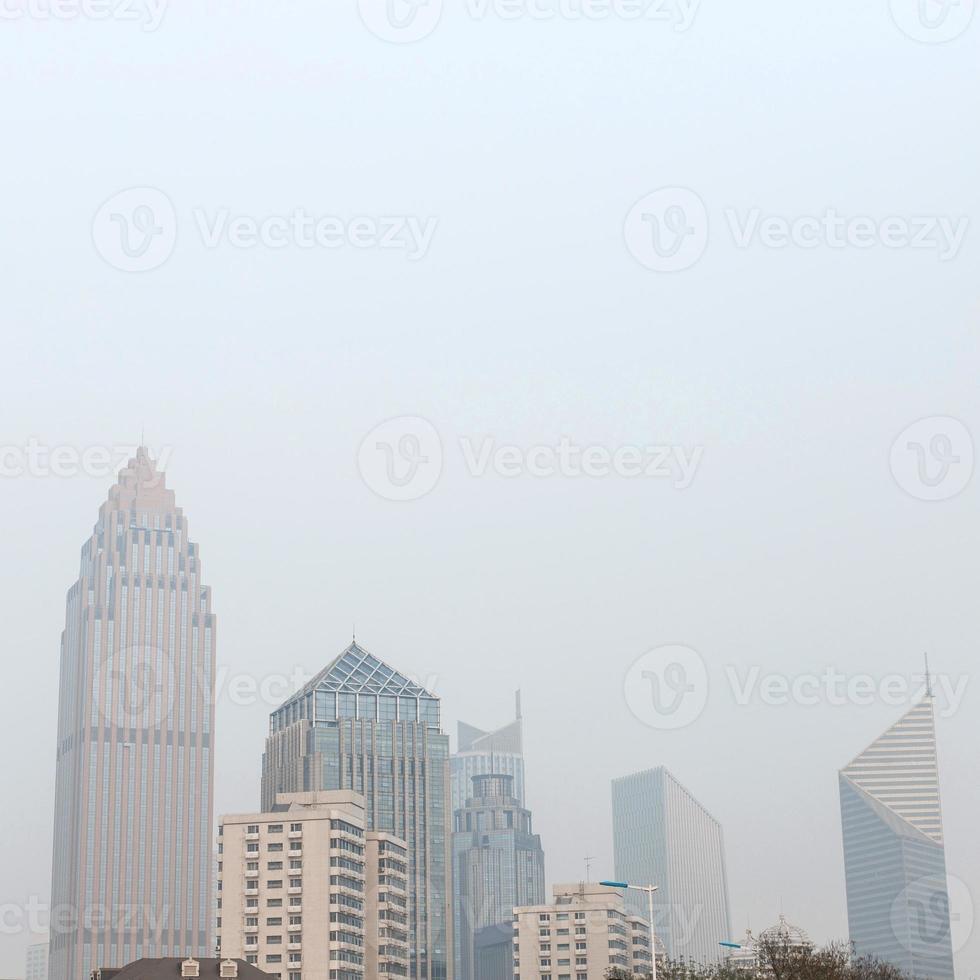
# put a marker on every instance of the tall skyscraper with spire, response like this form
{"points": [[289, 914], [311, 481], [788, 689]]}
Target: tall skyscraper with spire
{"points": [[361, 725], [132, 862], [894, 854], [480, 753]]}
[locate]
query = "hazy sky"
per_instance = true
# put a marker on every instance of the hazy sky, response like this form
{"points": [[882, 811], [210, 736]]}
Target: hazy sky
{"points": [[507, 154]]}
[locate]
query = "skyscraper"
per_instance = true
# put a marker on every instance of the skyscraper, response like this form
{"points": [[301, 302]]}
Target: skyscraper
{"points": [[132, 860], [663, 836], [894, 856], [361, 725], [479, 752], [498, 864]]}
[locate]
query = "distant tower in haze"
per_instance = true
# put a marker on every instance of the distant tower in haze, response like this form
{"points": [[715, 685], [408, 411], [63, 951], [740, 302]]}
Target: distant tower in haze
{"points": [[894, 855], [132, 862], [480, 752], [663, 836], [498, 864]]}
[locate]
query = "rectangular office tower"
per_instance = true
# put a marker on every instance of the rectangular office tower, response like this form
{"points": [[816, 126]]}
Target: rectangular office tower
{"points": [[132, 861], [498, 864], [663, 836], [306, 892], [894, 857], [360, 725], [479, 752]]}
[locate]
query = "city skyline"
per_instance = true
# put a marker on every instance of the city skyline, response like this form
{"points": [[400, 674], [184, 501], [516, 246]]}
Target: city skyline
{"points": [[133, 807], [473, 736]]}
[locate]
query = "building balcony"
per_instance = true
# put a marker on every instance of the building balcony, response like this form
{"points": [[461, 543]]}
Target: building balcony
{"points": [[294, 834], [251, 929], [251, 874], [296, 928], [251, 947], [251, 837], [251, 891], [294, 947], [295, 890], [295, 907], [296, 852]]}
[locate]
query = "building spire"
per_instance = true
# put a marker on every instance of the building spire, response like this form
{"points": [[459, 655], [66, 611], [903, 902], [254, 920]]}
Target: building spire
{"points": [[928, 678]]}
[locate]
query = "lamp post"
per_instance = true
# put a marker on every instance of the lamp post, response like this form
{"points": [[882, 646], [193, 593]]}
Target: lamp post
{"points": [[649, 889]]}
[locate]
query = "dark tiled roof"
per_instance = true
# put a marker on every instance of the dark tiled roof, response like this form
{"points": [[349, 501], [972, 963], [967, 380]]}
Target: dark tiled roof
{"points": [[168, 968]]}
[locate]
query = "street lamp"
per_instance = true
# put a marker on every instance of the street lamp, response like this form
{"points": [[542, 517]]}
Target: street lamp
{"points": [[649, 889]]}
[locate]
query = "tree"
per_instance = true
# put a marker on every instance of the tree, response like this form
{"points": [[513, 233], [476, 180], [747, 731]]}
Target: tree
{"points": [[781, 961]]}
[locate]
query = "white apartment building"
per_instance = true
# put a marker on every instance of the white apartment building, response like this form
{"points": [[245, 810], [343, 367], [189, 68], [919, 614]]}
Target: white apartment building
{"points": [[579, 936], [306, 892]]}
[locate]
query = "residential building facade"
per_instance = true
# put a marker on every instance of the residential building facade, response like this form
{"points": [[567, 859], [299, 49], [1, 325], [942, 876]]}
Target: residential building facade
{"points": [[307, 892], [894, 851], [663, 836], [36, 962], [498, 864], [582, 933], [361, 725], [131, 869]]}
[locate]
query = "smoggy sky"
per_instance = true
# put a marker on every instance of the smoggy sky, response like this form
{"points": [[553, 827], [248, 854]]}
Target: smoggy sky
{"points": [[619, 448]]}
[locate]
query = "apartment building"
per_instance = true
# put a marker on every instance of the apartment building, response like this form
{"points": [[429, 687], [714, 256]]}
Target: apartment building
{"points": [[584, 932], [306, 892]]}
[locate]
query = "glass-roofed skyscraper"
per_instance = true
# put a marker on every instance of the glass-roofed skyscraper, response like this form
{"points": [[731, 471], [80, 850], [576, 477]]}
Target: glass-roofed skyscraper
{"points": [[894, 856], [361, 725]]}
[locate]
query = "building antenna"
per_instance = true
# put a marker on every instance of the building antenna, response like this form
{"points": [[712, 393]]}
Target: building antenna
{"points": [[589, 858], [928, 678]]}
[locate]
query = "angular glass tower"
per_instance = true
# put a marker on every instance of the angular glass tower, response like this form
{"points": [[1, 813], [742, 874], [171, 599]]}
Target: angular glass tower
{"points": [[132, 863], [479, 752], [663, 836], [894, 857], [361, 725], [498, 865]]}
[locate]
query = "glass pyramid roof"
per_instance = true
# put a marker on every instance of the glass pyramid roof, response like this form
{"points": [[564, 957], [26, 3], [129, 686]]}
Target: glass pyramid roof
{"points": [[356, 671]]}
